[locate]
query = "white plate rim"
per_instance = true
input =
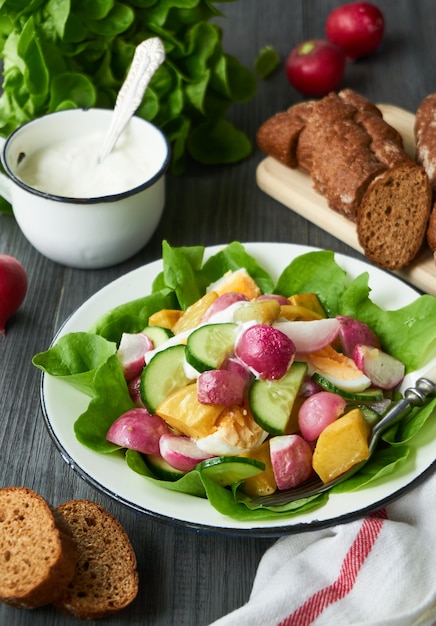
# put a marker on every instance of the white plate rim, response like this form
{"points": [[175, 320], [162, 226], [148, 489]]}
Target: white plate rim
{"points": [[109, 474]]}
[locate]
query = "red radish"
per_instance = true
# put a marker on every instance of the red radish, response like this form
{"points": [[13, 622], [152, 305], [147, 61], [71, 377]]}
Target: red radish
{"points": [[291, 460], [134, 387], [237, 369], [384, 370], [318, 411], [315, 67], [353, 332], [131, 353], [272, 296], [357, 28], [138, 430], [308, 387], [221, 303], [220, 387], [311, 335], [266, 351], [181, 452], [13, 288]]}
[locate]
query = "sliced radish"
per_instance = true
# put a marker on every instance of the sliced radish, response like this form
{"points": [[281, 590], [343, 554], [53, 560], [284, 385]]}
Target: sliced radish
{"points": [[308, 387], [266, 350], [181, 452], [318, 411], [353, 332], [384, 370], [237, 368], [138, 430], [222, 303], [272, 296], [312, 335], [291, 459], [134, 387], [220, 387], [131, 353]]}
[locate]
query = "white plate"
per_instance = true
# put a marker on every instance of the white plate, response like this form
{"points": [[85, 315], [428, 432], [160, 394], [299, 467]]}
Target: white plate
{"points": [[62, 404]]}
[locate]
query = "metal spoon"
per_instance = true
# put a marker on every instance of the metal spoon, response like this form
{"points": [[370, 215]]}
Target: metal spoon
{"points": [[414, 396], [149, 55]]}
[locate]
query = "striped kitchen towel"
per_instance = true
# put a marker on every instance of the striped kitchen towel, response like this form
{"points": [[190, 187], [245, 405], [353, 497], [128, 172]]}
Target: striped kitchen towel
{"points": [[376, 571]]}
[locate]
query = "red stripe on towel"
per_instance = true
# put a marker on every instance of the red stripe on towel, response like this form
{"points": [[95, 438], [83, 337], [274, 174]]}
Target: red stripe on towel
{"points": [[351, 565]]}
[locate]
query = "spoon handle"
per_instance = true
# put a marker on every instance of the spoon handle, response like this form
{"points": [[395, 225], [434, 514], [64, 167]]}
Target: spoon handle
{"points": [[149, 55]]}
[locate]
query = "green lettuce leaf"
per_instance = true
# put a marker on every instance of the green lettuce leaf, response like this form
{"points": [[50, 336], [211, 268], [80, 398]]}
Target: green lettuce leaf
{"points": [[60, 54], [76, 359], [315, 272], [91, 427]]}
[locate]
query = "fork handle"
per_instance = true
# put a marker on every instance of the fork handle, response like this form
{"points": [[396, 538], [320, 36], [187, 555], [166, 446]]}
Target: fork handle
{"points": [[414, 396]]}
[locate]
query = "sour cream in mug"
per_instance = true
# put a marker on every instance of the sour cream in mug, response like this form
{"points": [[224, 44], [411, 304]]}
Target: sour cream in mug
{"points": [[71, 169]]}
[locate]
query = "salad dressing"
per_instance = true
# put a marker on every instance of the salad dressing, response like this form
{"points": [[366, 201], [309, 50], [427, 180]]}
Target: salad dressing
{"points": [[71, 168]]}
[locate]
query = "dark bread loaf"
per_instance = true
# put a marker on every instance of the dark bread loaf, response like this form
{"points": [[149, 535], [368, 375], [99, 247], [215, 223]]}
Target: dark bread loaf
{"points": [[278, 136], [37, 552], [336, 151], [106, 579], [425, 137], [341, 140], [393, 215], [357, 161]]}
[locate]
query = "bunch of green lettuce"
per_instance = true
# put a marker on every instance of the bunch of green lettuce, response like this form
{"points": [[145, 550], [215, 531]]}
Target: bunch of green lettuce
{"points": [[62, 54], [88, 360]]}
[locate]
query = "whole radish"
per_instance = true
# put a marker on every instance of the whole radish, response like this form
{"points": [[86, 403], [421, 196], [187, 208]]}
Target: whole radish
{"points": [[318, 411], [266, 351], [315, 67], [13, 288], [357, 28]]}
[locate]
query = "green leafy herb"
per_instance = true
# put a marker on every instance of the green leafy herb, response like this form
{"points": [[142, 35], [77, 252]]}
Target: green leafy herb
{"points": [[61, 54], [266, 61]]}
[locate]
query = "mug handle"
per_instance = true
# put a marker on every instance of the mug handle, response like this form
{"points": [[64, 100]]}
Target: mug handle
{"points": [[5, 187]]}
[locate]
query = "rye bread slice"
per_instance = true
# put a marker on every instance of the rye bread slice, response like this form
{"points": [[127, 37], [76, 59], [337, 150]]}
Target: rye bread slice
{"points": [[393, 215], [279, 135], [37, 552], [106, 579]]}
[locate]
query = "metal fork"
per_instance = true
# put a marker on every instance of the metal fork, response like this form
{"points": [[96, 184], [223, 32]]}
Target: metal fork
{"points": [[414, 396]]}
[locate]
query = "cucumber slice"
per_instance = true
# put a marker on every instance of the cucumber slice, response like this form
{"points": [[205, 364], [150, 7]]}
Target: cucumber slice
{"points": [[164, 373], [208, 346], [158, 334], [369, 395], [226, 470], [271, 401], [371, 417], [162, 469]]}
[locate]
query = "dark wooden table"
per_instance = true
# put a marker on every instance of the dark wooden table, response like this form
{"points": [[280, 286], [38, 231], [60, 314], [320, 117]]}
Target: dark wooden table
{"points": [[189, 578]]}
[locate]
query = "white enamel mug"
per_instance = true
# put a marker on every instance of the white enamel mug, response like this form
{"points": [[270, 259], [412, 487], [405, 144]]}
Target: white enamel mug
{"points": [[93, 231]]}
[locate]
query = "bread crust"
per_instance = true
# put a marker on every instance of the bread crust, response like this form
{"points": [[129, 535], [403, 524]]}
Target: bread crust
{"points": [[106, 579], [37, 552], [425, 137]]}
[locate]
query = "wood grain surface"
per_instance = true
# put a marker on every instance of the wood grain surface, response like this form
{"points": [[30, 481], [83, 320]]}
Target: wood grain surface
{"points": [[189, 578]]}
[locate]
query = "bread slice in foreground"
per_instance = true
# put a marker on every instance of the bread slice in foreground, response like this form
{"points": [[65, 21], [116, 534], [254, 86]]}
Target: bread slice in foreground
{"points": [[393, 215], [106, 579], [37, 552]]}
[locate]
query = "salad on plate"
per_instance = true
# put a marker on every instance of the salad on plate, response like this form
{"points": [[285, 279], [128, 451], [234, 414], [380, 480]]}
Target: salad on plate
{"points": [[225, 384]]}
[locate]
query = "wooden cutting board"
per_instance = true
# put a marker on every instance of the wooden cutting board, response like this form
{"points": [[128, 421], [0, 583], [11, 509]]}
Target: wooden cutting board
{"points": [[293, 188]]}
